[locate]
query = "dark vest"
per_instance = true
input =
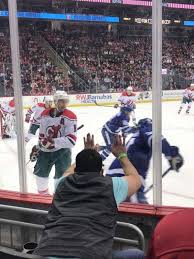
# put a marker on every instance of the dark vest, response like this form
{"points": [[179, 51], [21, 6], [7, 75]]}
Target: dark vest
{"points": [[82, 219]]}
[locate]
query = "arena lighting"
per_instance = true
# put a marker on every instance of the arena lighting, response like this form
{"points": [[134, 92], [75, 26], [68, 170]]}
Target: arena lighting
{"points": [[64, 17], [126, 19], [177, 21], [141, 3]]}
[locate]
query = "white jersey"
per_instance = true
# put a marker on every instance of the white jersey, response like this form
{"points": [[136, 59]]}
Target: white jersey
{"points": [[62, 129], [8, 107], [125, 98], [188, 93], [37, 110]]}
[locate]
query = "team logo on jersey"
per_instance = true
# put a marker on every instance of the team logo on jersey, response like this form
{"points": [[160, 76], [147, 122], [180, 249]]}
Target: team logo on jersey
{"points": [[53, 131]]}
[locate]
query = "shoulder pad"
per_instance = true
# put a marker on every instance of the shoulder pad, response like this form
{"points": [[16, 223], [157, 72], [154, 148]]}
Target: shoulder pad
{"points": [[125, 94], [40, 105], [46, 112], [69, 114]]}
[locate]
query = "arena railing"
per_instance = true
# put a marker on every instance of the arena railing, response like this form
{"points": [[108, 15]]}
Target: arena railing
{"points": [[15, 232]]}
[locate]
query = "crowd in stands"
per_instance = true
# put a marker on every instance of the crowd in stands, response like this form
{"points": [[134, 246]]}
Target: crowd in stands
{"points": [[113, 63], [38, 74], [105, 62]]}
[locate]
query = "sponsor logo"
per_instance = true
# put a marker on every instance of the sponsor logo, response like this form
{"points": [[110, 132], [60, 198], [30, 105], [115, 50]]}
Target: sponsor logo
{"points": [[91, 98], [174, 93], [144, 95]]}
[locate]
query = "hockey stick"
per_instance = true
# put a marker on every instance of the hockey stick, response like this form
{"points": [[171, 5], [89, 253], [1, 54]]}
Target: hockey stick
{"points": [[163, 175], [80, 127], [108, 106]]}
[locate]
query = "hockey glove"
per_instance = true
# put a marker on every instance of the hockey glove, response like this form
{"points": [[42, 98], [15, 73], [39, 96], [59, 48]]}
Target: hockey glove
{"points": [[176, 162], [27, 119], [134, 129], [116, 106], [131, 130], [34, 153], [134, 122], [47, 143]]}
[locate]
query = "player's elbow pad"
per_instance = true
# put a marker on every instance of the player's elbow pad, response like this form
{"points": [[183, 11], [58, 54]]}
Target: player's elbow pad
{"points": [[65, 142], [72, 138]]}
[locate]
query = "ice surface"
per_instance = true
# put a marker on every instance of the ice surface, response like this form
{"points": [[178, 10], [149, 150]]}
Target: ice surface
{"points": [[178, 129]]}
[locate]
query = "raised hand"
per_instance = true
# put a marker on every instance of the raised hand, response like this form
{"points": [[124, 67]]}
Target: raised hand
{"points": [[118, 146], [89, 141]]}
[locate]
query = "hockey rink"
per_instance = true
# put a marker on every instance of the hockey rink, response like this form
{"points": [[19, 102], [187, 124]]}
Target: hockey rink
{"points": [[178, 129]]}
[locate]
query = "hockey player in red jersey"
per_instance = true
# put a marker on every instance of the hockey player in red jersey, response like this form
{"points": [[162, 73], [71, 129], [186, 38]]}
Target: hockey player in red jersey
{"points": [[37, 111], [128, 97], [57, 136], [188, 98], [7, 109]]}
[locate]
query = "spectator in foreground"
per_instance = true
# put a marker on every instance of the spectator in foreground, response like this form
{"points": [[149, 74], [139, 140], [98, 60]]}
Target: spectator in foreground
{"points": [[82, 219], [173, 237]]}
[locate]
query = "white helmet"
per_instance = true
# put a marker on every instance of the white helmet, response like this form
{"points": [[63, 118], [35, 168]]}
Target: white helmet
{"points": [[192, 85], [48, 99], [60, 95], [130, 88]]}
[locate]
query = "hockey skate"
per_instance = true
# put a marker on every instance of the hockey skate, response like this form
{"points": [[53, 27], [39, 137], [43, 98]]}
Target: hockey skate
{"points": [[141, 197], [4, 136]]}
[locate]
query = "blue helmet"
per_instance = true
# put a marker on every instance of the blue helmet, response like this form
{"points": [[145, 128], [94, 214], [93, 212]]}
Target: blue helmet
{"points": [[127, 108], [145, 123]]}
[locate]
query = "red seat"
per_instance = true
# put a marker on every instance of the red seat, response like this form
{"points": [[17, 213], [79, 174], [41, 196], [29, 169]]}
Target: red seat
{"points": [[173, 237]]}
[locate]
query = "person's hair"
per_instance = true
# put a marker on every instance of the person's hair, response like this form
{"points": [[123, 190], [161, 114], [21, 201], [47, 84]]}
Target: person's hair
{"points": [[88, 160]]}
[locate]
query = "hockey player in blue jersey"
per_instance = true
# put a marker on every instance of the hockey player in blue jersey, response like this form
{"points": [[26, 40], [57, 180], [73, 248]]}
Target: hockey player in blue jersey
{"points": [[139, 152], [118, 124]]}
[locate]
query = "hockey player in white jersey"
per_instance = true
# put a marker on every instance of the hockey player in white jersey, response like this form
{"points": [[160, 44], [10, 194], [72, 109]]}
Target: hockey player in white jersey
{"points": [[128, 97], [37, 111], [188, 97], [57, 136], [7, 109]]}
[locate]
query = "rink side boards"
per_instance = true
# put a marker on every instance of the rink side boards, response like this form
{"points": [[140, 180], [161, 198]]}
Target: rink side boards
{"points": [[102, 99], [144, 216]]}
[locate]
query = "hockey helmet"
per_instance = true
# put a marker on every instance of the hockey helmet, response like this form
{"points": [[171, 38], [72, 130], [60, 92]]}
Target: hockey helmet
{"points": [[60, 95], [147, 122], [12, 103], [129, 89], [192, 85], [127, 108], [48, 99]]}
